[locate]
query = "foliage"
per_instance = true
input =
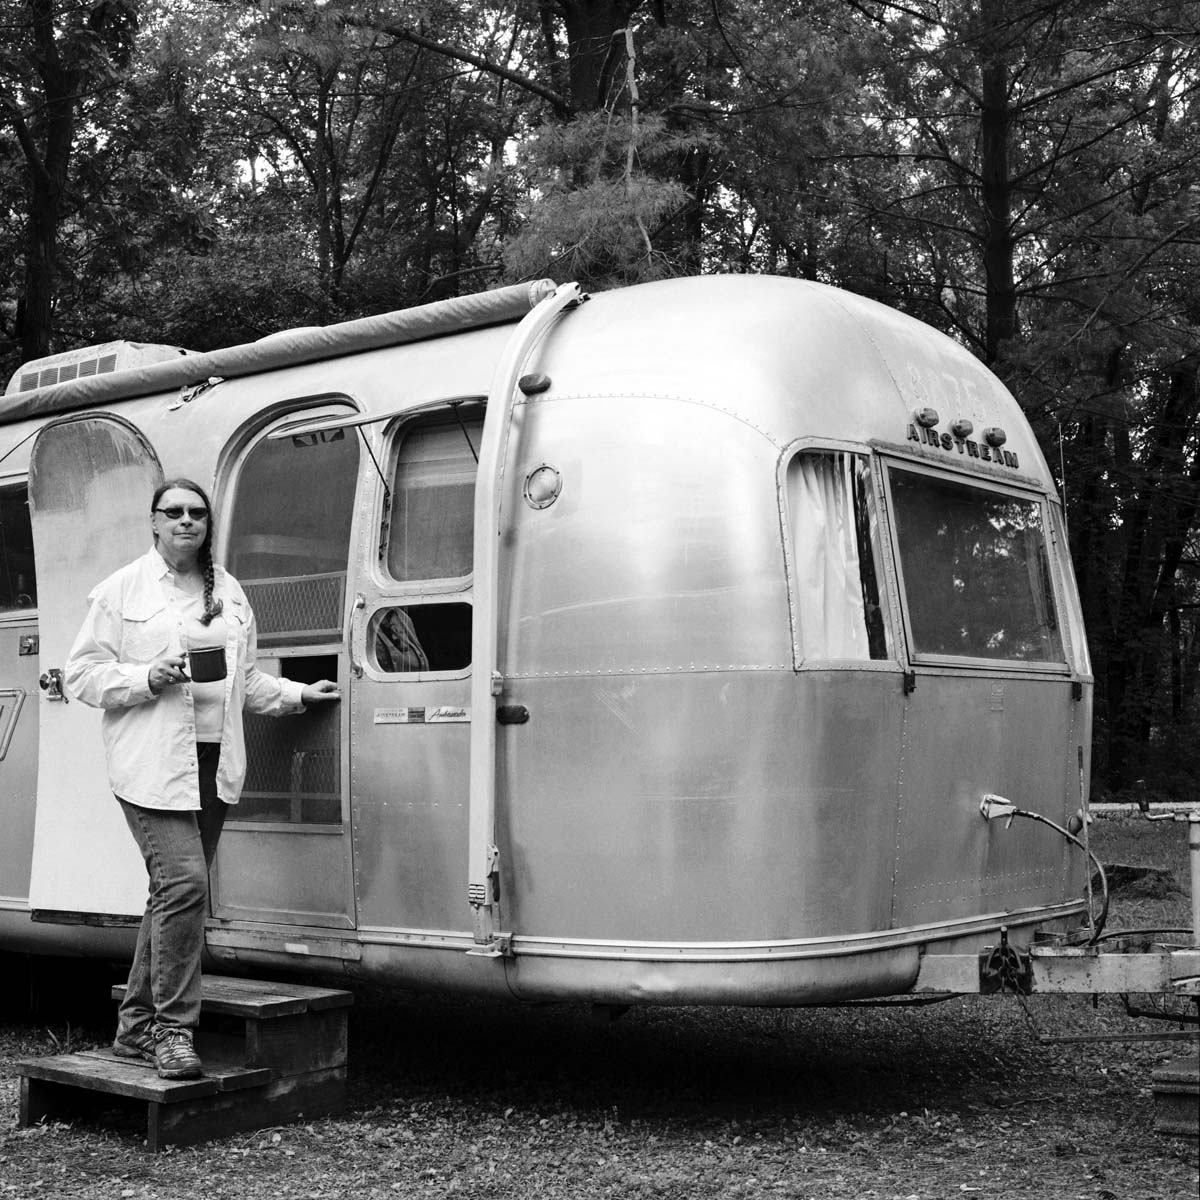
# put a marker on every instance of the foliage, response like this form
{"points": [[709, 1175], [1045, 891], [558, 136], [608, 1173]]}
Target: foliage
{"points": [[597, 213]]}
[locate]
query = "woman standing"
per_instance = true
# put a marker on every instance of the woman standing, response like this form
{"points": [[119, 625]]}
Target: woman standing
{"points": [[175, 747]]}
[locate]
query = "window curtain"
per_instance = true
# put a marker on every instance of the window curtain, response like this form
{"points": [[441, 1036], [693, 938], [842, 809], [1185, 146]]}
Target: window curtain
{"points": [[829, 601]]}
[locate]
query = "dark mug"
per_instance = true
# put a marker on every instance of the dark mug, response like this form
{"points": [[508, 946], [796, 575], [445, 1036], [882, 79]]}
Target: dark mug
{"points": [[207, 666]]}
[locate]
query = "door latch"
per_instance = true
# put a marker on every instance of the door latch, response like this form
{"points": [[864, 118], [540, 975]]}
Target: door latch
{"points": [[51, 683]]}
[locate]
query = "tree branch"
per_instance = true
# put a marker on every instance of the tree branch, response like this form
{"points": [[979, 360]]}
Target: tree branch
{"points": [[560, 103]]}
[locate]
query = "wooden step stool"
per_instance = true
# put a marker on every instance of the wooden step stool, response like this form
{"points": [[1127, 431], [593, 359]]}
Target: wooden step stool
{"points": [[1177, 1097], [272, 1053]]}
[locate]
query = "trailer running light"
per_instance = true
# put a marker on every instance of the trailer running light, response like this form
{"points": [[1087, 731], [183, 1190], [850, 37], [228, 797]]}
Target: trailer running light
{"points": [[962, 429], [926, 417], [994, 436]]}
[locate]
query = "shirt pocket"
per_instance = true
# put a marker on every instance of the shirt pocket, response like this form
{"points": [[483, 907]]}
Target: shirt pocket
{"points": [[145, 635]]}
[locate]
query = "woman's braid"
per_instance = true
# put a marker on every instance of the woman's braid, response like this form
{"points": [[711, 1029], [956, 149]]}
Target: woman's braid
{"points": [[211, 608]]}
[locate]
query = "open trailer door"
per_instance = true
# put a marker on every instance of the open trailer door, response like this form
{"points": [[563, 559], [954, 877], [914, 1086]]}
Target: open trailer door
{"points": [[90, 482]]}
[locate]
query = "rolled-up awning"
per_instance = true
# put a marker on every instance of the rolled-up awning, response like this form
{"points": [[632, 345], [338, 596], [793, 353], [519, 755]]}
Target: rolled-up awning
{"points": [[285, 349]]}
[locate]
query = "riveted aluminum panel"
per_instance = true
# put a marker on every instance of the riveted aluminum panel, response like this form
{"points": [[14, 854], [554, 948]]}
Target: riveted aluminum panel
{"points": [[707, 806]]}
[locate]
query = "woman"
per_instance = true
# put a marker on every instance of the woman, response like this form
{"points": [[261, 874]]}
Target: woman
{"points": [[175, 748]]}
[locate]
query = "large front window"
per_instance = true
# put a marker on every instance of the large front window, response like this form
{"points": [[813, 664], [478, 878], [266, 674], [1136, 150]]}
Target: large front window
{"points": [[976, 571]]}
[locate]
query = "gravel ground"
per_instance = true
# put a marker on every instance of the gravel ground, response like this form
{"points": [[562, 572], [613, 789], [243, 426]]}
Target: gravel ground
{"points": [[482, 1099]]}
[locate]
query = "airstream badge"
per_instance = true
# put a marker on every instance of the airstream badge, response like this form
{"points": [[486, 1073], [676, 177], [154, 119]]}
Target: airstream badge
{"points": [[987, 450], [445, 714]]}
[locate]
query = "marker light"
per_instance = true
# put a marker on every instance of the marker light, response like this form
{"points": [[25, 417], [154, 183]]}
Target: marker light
{"points": [[927, 417], [532, 384], [994, 436], [962, 429]]}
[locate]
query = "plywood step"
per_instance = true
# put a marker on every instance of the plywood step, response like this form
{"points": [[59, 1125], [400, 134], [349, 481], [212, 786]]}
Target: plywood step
{"points": [[271, 1053], [231, 996]]}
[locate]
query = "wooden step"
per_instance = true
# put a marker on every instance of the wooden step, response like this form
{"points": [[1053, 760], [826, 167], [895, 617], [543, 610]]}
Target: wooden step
{"points": [[1177, 1096], [231, 996], [103, 1071], [271, 1053]]}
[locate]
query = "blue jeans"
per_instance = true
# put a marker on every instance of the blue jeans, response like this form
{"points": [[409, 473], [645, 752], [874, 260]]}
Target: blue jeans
{"points": [[178, 848]]}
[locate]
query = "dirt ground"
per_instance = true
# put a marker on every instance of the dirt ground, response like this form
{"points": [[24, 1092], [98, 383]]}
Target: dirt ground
{"points": [[963, 1098]]}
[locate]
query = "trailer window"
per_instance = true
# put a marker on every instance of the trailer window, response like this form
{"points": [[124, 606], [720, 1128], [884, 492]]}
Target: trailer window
{"points": [[18, 584], [976, 571], [417, 638], [432, 527], [835, 550]]}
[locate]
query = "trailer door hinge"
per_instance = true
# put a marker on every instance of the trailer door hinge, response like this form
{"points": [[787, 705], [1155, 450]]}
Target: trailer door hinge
{"points": [[499, 946]]}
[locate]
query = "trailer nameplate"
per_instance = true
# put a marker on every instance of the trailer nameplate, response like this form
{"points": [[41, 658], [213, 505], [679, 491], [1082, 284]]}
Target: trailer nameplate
{"points": [[443, 715], [981, 450]]}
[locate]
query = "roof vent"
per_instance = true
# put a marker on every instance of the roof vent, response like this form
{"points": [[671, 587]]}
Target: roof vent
{"points": [[73, 365]]}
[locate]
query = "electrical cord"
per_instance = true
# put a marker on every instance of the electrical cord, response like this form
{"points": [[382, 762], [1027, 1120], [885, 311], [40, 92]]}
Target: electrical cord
{"points": [[1006, 809]]}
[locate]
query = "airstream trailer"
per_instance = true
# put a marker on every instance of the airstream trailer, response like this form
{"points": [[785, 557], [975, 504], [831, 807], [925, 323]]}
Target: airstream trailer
{"points": [[682, 631]]}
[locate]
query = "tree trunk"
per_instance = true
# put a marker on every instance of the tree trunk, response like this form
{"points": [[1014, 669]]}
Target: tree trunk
{"points": [[46, 143], [592, 58], [996, 186]]}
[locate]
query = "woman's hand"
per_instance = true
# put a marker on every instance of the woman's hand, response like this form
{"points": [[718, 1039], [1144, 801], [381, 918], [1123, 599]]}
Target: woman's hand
{"points": [[317, 693], [166, 671]]}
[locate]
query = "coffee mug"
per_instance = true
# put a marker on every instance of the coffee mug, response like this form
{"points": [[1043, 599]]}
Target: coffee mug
{"points": [[207, 666]]}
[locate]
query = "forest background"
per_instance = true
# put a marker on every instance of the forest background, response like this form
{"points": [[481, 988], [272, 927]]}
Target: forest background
{"points": [[1022, 174]]}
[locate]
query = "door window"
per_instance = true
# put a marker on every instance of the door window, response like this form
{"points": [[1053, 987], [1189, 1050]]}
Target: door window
{"points": [[421, 637], [432, 529]]}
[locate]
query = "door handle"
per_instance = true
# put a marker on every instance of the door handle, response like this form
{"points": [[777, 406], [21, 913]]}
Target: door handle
{"points": [[51, 683], [356, 669]]}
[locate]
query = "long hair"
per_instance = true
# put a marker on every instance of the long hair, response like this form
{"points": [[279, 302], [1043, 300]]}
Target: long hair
{"points": [[212, 608]]}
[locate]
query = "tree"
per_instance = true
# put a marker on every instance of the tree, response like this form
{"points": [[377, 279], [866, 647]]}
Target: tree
{"points": [[58, 59]]}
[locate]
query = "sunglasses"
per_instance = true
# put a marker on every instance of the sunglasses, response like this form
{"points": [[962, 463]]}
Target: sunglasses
{"points": [[197, 512]]}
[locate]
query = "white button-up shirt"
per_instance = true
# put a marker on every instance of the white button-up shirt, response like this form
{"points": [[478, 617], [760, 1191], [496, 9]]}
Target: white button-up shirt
{"points": [[149, 740]]}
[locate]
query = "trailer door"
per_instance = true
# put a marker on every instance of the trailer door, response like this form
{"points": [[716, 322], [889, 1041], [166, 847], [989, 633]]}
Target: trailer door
{"points": [[90, 482], [411, 695]]}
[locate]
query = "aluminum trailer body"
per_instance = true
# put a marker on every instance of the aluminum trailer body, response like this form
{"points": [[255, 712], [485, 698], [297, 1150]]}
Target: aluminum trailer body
{"points": [[681, 633]]}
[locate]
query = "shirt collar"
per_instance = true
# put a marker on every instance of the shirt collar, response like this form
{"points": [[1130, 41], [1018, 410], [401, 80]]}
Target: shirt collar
{"points": [[157, 563]]}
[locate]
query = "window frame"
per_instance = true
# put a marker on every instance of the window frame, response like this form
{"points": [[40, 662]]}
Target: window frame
{"points": [[412, 593], [274, 424], [290, 418], [21, 615], [881, 550], [1019, 488]]}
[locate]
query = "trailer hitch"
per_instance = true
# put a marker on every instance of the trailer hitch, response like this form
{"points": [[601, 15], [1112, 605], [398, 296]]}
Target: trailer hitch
{"points": [[1004, 969]]}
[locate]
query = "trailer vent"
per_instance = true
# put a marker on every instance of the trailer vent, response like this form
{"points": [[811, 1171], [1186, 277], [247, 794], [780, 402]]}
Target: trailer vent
{"points": [[73, 365]]}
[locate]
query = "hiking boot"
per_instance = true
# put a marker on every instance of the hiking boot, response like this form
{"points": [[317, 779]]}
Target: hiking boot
{"points": [[135, 1043], [174, 1055]]}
